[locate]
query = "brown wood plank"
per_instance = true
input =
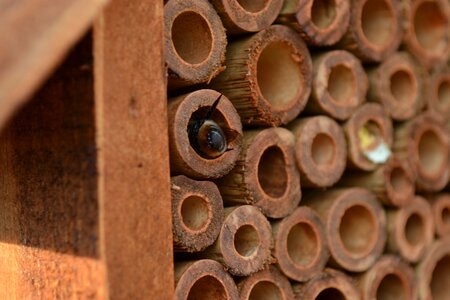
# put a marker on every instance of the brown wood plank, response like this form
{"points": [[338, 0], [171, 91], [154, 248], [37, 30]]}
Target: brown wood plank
{"points": [[133, 150]]}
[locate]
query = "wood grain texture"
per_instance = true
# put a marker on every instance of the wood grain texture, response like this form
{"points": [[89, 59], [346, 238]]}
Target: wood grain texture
{"points": [[132, 138]]}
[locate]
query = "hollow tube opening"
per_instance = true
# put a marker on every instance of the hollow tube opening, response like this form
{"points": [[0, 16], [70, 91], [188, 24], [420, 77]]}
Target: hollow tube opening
{"points": [[323, 149], [246, 240], [302, 244], [392, 287], [377, 22], [265, 290], [272, 172], [445, 216], [430, 27], [207, 287], [253, 6], [402, 86], [323, 13], [444, 93], [399, 180], [195, 213], [342, 85], [441, 279], [331, 293], [432, 152], [415, 229]]}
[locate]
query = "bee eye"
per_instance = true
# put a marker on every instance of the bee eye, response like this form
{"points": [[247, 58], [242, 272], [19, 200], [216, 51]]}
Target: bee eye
{"points": [[211, 140]]}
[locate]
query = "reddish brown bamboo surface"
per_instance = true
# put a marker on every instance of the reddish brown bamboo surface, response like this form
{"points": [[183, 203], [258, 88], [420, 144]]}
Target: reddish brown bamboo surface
{"points": [[440, 205], [439, 93]]}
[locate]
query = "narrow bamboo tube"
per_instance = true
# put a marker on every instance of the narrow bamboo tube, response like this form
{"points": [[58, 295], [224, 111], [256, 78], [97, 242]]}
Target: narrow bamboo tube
{"points": [[372, 118], [355, 226], [300, 244], [388, 278], [183, 157], [375, 29], [329, 284], [268, 76], [425, 142], [393, 182], [197, 213], [399, 83], [319, 22], [268, 284], [244, 242], [439, 96], [241, 16], [440, 206], [320, 150], [427, 31], [203, 279], [195, 42], [410, 229], [433, 272], [339, 84]]}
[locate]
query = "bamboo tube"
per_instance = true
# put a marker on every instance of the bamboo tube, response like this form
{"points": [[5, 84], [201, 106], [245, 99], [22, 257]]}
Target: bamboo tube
{"points": [[439, 96], [427, 31], [320, 150], [410, 229], [369, 136], [203, 279], [400, 85], [197, 213], [265, 174], [184, 159], [424, 142], [388, 278], [195, 42], [319, 22], [300, 244], [329, 284], [268, 284], [268, 76], [440, 206], [355, 226], [339, 84], [433, 272], [393, 182], [241, 16], [375, 29], [244, 242]]}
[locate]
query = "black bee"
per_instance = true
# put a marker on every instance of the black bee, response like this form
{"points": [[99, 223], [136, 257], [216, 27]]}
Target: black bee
{"points": [[207, 138]]}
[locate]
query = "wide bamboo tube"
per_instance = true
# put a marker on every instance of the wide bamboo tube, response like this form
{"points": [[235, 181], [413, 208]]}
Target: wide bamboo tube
{"points": [[427, 31], [197, 213], [320, 150], [301, 247], [319, 22], [369, 136], [399, 83], [195, 42], [439, 93], [266, 284], [393, 182], [355, 226], [433, 272], [388, 278], [440, 206], [329, 284], [265, 174], [339, 84], [203, 279], [184, 159], [244, 242], [241, 16], [425, 142], [410, 229], [375, 29], [268, 76]]}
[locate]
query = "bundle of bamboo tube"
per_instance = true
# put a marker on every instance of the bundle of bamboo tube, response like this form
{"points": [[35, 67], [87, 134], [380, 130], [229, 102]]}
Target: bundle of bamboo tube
{"points": [[310, 148]]}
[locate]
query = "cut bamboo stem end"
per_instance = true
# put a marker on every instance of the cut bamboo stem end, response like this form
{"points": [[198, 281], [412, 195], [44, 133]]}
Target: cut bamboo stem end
{"points": [[197, 213], [441, 214], [244, 242], [424, 142], [300, 244], [433, 272], [266, 284], [410, 229], [355, 226], [388, 278], [319, 22], [339, 84], [427, 31], [241, 16], [329, 284], [400, 85], [393, 182], [203, 279], [439, 97], [320, 150], [184, 159], [195, 42], [268, 76], [368, 130], [265, 174], [375, 29]]}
